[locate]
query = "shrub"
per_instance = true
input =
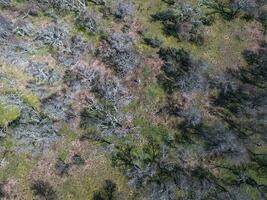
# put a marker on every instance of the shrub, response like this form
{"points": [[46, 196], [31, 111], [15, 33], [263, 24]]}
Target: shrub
{"points": [[102, 115], [73, 5], [5, 3], [182, 21], [227, 9], [111, 90], [71, 53], [99, 2], [81, 77], [58, 107], [244, 104], [181, 71], [77, 160], [5, 28], [2, 192], [42, 73], [256, 73], [107, 192], [153, 42], [263, 19], [23, 28], [43, 190], [61, 168], [52, 35], [118, 52], [89, 21], [122, 9]]}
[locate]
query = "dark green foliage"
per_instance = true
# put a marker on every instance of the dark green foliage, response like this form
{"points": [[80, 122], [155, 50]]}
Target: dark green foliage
{"points": [[180, 71], [61, 168], [98, 2], [247, 102], [204, 139], [228, 9], [89, 21], [2, 192], [263, 19], [107, 192], [153, 42], [100, 114], [160, 165], [77, 160], [43, 190], [256, 73], [177, 63], [182, 21], [244, 109]]}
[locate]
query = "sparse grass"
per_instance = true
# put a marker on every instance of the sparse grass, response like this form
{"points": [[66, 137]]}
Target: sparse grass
{"points": [[83, 185]]}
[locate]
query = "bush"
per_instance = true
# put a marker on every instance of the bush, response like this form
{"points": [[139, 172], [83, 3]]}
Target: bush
{"points": [[102, 115], [2, 192], [81, 77], [42, 73], [256, 74], [181, 71], [66, 5], [122, 9], [58, 107], [244, 105], [52, 35], [111, 90], [263, 19], [61, 167], [5, 28], [118, 52], [77, 160], [43, 190], [182, 21], [23, 28], [5, 3], [153, 42], [107, 192], [227, 9], [89, 21], [72, 52], [99, 2]]}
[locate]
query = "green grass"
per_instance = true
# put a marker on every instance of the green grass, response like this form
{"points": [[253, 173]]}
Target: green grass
{"points": [[31, 99], [8, 113]]}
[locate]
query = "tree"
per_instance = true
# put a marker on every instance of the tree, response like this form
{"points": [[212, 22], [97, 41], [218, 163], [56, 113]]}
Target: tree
{"points": [[182, 21], [180, 71], [228, 9], [118, 52], [89, 21], [122, 9]]}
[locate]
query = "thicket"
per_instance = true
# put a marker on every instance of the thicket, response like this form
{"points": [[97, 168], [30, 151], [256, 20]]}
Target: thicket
{"points": [[181, 71], [43, 190], [183, 21], [230, 9], [203, 141], [118, 52]]}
